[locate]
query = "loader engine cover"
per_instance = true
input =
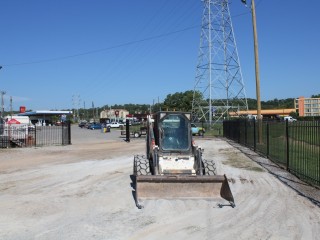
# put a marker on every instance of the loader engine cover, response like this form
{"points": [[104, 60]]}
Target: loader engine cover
{"points": [[177, 165]]}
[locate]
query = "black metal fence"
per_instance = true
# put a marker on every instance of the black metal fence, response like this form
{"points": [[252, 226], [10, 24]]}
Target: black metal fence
{"points": [[34, 136], [294, 145]]}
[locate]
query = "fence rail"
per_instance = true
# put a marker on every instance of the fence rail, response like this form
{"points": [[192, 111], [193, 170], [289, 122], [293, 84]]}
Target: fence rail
{"points": [[34, 136], [294, 145]]}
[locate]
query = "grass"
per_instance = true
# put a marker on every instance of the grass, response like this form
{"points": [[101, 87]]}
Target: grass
{"points": [[214, 130]]}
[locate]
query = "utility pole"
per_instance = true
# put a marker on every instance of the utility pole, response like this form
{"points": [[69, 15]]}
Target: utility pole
{"points": [[74, 108], [2, 103], [11, 106], [256, 59], [93, 113], [257, 70], [78, 106]]}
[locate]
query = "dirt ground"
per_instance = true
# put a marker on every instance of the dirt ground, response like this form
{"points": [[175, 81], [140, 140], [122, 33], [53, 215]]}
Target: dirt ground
{"points": [[83, 191]]}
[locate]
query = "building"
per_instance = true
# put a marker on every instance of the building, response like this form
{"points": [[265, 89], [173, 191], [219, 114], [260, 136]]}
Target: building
{"points": [[266, 113], [113, 114], [307, 107], [46, 117]]}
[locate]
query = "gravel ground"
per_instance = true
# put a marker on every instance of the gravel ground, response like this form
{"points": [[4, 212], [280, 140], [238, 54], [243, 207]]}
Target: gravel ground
{"points": [[84, 191]]}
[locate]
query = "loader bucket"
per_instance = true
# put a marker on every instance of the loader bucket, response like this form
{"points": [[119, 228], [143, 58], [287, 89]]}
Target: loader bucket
{"points": [[182, 187]]}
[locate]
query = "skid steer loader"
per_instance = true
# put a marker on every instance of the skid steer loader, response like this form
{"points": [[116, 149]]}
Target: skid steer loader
{"points": [[173, 166]]}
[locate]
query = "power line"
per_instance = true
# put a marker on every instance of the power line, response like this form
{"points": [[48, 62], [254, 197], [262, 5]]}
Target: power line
{"points": [[103, 49], [115, 46], [154, 48], [142, 51]]}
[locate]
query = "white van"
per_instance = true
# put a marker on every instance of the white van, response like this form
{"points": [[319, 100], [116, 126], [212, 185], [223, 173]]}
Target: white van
{"points": [[290, 119], [20, 119]]}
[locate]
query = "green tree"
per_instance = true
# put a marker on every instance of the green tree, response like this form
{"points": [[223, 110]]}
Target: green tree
{"points": [[315, 96], [271, 104], [181, 101]]}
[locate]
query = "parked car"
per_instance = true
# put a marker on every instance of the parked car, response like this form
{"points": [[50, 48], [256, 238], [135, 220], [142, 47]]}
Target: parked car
{"points": [[95, 126], [115, 124], [82, 124], [197, 130]]}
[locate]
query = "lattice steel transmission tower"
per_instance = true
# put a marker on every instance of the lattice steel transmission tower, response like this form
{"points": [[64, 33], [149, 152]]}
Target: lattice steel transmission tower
{"points": [[219, 88]]}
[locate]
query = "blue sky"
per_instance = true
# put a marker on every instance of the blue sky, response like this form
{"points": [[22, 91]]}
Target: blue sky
{"points": [[58, 54]]}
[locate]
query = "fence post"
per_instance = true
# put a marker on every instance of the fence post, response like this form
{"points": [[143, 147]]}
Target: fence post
{"points": [[245, 132], [239, 129], [268, 141], [69, 133], [62, 133], [254, 135], [318, 126], [127, 131], [287, 145], [35, 135]]}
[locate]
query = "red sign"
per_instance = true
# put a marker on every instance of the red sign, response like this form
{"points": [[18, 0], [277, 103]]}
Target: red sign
{"points": [[117, 113], [13, 121], [22, 109]]}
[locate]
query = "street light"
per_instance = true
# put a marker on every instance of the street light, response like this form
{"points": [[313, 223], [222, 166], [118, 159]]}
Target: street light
{"points": [[2, 103], [256, 60]]}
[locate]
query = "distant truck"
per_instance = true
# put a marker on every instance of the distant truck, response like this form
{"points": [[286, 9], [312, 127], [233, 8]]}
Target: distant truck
{"points": [[290, 119], [115, 124], [136, 132]]}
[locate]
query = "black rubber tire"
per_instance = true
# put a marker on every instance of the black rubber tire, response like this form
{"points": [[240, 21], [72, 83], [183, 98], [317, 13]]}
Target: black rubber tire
{"points": [[155, 163], [135, 166], [198, 158], [209, 167], [141, 165], [136, 135], [201, 133]]}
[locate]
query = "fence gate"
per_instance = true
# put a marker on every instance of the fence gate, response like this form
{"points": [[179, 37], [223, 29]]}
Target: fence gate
{"points": [[20, 135]]}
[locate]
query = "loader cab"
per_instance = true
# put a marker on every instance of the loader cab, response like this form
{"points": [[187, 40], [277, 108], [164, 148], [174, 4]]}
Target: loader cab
{"points": [[174, 132]]}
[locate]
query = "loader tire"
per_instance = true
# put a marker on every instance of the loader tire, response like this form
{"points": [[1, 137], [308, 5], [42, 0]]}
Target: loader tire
{"points": [[136, 135], [209, 167], [134, 166], [141, 165]]}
